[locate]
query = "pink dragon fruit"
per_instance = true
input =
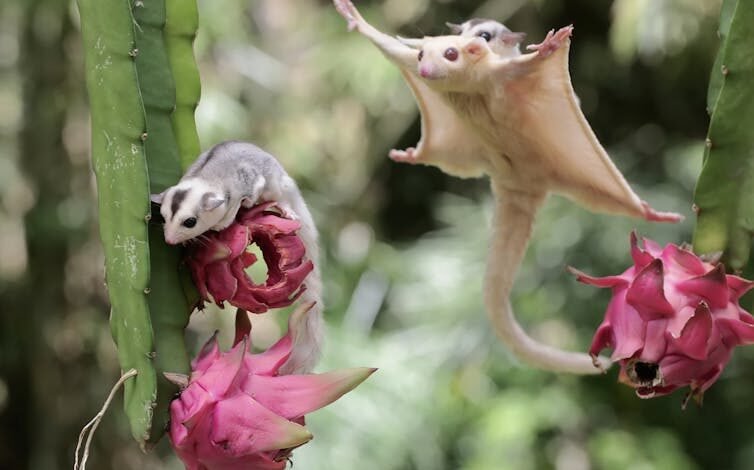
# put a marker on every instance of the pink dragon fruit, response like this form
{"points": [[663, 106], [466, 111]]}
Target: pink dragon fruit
{"points": [[237, 413], [219, 262], [673, 320]]}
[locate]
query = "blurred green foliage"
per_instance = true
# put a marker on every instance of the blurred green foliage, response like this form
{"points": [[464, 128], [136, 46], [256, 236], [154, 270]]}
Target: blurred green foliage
{"points": [[404, 246]]}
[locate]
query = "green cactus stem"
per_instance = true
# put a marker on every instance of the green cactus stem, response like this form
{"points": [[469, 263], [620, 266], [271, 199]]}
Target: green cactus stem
{"points": [[169, 308], [170, 312], [724, 195], [123, 187], [135, 152], [157, 93], [180, 31]]}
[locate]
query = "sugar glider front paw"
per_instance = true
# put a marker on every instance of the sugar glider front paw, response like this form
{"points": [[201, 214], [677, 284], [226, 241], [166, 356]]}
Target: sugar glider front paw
{"points": [[286, 211], [552, 41], [410, 155]]}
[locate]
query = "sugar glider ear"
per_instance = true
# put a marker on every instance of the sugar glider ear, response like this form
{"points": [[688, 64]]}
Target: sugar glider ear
{"points": [[211, 201], [157, 198], [510, 38], [455, 29], [476, 48]]}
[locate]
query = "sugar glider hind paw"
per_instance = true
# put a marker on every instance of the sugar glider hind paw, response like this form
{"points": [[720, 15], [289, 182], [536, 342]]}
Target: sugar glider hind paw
{"points": [[404, 156], [657, 216], [552, 41]]}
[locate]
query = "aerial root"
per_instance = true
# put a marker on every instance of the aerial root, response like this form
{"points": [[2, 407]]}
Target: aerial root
{"points": [[91, 426]]}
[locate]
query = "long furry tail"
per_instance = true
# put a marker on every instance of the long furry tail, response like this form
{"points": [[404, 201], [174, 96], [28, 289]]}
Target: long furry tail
{"points": [[512, 226], [307, 346]]}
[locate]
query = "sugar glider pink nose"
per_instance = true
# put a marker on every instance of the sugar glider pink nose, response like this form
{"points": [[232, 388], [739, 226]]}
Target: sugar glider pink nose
{"points": [[425, 71], [170, 240]]}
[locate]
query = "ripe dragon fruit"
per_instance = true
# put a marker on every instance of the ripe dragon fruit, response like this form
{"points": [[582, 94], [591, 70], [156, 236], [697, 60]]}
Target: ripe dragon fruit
{"points": [[673, 320], [219, 261], [237, 413]]}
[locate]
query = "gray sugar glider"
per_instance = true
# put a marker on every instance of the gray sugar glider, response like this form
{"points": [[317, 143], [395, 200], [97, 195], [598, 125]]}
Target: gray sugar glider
{"points": [[230, 175]]}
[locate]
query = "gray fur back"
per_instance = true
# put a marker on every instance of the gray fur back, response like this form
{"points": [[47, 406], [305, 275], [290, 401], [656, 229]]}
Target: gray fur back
{"points": [[248, 160], [237, 167]]}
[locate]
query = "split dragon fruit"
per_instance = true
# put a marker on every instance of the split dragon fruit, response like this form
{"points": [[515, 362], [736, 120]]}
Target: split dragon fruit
{"points": [[218, 262], [673, 320]]}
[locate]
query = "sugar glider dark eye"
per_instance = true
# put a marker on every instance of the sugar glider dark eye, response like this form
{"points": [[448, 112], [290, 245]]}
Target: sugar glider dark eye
{"points": [[190, 222], [421, 54], [485, 35], [451, 54]]}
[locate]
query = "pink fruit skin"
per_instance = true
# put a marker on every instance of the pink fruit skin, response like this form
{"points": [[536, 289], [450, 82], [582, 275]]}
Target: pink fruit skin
{"points": [[218, 262], [236, 411], [673, 320]]}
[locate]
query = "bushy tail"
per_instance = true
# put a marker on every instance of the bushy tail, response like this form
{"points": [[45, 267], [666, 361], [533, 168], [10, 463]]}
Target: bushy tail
{"points": [[307, 345]]}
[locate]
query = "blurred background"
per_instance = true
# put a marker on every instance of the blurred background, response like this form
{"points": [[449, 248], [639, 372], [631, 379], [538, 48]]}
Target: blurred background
{"points": [[405, 246]]}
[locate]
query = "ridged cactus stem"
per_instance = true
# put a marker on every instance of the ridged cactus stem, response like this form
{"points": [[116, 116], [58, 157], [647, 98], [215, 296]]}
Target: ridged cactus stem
{"points": [[135, 152], [123, 186], [168, 306], [157, 93], [180, 31], [170, 314], [724, 195]]}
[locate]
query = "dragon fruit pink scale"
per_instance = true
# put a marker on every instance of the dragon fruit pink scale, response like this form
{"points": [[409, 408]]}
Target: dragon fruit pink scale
{"points": [[236, 412], [218, 262], [673, 320]]}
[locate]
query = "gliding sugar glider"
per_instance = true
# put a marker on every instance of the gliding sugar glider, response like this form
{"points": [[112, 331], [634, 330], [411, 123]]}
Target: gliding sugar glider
{"points": [[221, 180], [514, 118]]}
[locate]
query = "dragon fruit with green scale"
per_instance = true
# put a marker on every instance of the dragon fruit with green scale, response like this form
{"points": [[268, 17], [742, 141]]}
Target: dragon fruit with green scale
{"points": [[673, 320]]}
